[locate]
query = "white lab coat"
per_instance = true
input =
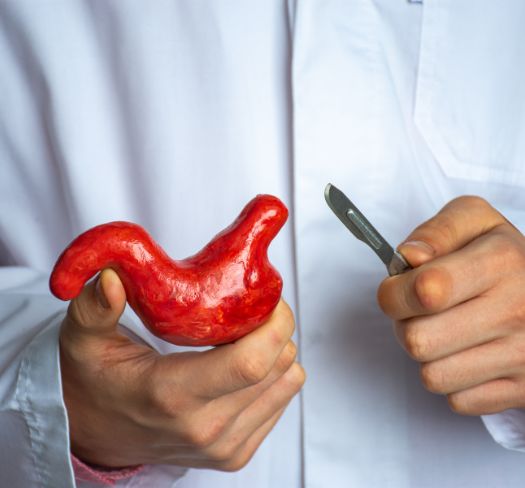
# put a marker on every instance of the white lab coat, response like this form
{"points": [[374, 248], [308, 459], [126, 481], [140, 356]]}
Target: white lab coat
{"points": [[173, 114]]}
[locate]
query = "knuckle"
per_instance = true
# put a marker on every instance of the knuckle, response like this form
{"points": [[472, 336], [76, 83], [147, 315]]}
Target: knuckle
{"points": [[165, 399], [225, 453], [203, 434], [164, 403], [287, 318], [71, 347], [505, 251], [232, 466], [282, 325], [443, 229], [458, 404], [473, 202], [277, 336], [250, 369], [78, 312], [286, 311], [416, 341], [287, 357], [237, 463], [432, 289], [432, 378], [296, 377]]}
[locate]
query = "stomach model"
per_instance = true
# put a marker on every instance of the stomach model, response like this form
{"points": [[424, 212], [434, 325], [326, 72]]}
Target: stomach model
{"points": [[216, 296]]}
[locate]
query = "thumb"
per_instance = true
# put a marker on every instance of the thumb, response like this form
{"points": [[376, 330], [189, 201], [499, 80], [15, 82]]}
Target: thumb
{"points": [[97, 310], [459, 222]]}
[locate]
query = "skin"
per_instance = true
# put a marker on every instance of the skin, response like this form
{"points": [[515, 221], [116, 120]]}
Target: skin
{"points": [[129, 405], [461, 312]]}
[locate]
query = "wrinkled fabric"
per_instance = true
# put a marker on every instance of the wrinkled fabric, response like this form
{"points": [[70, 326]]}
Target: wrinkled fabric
{"points": [[173, 115]]}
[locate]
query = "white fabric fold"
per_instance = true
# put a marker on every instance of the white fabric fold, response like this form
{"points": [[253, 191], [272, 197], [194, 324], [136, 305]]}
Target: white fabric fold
{"points": [[507, 428]]}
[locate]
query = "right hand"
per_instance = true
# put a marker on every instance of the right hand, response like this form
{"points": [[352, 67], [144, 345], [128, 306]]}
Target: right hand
{"points": [[129, 405]]}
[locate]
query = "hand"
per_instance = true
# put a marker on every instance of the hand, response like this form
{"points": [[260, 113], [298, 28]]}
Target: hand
{"points": [[461, 311], [129, 405]]}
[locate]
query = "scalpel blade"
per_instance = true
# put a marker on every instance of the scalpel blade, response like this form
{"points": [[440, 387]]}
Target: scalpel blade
{"points": [[359, 225]]}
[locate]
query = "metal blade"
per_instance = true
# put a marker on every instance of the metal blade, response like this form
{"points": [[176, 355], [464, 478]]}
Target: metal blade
{"points": [[359, 225]]}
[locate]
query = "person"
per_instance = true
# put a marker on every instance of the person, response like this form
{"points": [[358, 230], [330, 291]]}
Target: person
{"points": [[173, 115]]}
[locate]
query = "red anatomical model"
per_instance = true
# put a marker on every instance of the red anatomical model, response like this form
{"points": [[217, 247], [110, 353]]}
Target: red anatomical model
{"points": [[216, 296]]}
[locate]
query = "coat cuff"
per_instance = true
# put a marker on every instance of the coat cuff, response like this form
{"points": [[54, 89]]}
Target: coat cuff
{"points": [[507, 428], [103, 476], [39, 398]]}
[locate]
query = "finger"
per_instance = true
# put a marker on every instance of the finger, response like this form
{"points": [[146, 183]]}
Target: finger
{"points": [[273, 399], [96, 311], [259, 412], [235, 366], [246, 452], [471, 367], [488, 398], [469, 324], [443, 282], [227, 461], [227, 408], [455, 225], [234, 403]]}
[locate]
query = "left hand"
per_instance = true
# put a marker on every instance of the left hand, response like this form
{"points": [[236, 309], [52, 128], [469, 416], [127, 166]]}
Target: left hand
{"points": [[461, 311]]}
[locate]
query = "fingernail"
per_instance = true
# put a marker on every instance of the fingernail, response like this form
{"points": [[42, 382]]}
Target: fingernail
{"points": [[99, 292], [420, 246]]}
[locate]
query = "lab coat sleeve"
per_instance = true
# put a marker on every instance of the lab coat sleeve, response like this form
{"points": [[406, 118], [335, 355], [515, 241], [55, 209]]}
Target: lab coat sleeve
{"points": [[34, 437], [34, 445], [507, 428]]}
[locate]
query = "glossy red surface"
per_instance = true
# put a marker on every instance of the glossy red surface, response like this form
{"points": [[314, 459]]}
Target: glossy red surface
{"points": [[213, 297]]}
